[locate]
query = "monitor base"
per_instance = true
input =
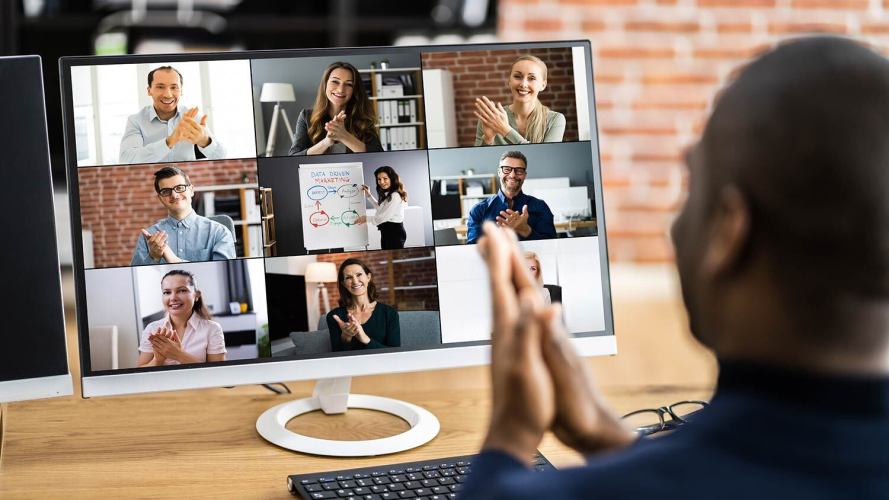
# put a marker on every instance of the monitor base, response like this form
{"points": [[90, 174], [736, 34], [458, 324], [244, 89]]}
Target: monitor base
{"points": [[332, 396]]}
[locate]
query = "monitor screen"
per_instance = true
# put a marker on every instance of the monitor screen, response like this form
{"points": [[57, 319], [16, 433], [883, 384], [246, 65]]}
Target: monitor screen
{"points": [[33, 354], [201, 182]]}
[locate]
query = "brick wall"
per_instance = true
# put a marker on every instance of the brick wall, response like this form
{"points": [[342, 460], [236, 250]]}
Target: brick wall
{"points": [[385, 271], [117, 202], [657, 65], [486, 72]]}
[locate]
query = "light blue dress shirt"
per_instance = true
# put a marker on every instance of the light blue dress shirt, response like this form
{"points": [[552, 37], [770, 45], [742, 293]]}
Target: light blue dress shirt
{"points": [[193, 238], [144, 140]]}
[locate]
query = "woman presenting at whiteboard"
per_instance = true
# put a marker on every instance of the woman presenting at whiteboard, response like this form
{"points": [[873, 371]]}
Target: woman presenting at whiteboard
{"points": [[389, 218], [360, 322], [342, 120]]}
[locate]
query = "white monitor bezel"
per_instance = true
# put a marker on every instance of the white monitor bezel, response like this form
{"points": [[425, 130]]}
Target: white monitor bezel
{"points": [[207, 376]]}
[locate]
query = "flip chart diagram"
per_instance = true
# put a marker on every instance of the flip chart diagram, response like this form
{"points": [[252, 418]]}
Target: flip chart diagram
{"points": [[332, 201]]}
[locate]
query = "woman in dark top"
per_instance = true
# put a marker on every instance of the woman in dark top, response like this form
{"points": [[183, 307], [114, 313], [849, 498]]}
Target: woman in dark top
{"points": [[361, 322], [342, 120]]}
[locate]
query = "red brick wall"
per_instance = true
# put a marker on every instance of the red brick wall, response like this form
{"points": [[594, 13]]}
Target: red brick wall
{"points": [[657, 65], [486, 73], [117, 202], [419, 272]]}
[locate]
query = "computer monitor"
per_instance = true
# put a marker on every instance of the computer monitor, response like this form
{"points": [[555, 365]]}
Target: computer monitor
{"points": [[246, 166], [33, 354]]}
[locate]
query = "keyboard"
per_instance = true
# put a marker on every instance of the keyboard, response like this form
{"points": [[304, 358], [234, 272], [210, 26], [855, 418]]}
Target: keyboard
{"points": [[431, 480]]}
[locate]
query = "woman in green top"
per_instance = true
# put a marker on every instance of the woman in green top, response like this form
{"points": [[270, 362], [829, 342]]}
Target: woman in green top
{"points": [[361, 322], [526, 120]]}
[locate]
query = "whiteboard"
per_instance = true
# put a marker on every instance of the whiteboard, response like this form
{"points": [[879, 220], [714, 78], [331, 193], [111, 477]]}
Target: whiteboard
{"points": [[332, 200]]}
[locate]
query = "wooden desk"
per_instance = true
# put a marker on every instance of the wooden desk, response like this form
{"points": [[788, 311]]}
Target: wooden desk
{"points": [[203, 444]]}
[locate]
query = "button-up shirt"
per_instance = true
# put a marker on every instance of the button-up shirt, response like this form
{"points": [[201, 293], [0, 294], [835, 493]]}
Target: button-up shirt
{"points": [[144, 140], [193, 238], [540, 217]]}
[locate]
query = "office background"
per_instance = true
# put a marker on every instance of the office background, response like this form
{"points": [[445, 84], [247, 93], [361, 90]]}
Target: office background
{"points": [[487, 73], [111, 232], [282, 176], [305, 73]]}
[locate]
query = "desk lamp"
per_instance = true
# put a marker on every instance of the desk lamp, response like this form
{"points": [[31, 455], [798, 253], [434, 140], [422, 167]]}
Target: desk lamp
{"points": [[321, 273], [277, 93]]}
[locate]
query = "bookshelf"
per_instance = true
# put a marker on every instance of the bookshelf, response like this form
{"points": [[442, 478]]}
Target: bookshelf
{"points": [[397, 97], [267, 220], [469, 188], [238, 201]]}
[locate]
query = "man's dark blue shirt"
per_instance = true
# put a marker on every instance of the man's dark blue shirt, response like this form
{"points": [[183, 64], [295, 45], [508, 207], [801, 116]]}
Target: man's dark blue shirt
{"points": [[540, 217]]}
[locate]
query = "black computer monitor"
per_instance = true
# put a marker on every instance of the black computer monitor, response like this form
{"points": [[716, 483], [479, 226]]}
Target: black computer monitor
{"points": [[33, 354]]}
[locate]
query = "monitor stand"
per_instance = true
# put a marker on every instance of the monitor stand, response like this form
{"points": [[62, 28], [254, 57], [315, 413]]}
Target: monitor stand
{"points": [[332, 397]]}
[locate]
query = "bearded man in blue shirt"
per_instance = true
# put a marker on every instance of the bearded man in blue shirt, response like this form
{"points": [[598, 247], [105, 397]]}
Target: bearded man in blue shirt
{"points": [[529, 217]]}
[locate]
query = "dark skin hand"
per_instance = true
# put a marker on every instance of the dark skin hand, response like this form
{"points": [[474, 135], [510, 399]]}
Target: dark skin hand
{"points": [[539, 382]]}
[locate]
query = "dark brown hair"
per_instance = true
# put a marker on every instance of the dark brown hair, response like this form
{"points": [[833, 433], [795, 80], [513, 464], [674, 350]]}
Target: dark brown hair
{"points": [[164, 68], [346, 299], [360, 119], [395, 184], [166, 173], [199, 307]]}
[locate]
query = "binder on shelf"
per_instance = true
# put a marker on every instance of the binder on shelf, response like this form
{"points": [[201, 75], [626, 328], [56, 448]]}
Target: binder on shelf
{"points": [[413, 111], [387, 112], [209, 204], [378, 79], [384, 139]]}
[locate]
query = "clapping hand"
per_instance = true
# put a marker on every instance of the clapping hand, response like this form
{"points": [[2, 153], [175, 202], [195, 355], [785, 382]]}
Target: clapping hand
{"points": [[165, 343], [539, 382], [515, 220], [493, 117], [156, 243], [351, 329], [336, 128]]}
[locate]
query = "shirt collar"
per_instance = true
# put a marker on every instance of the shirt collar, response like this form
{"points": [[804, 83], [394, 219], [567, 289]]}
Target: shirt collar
{"points": [[187, 222], [152, 113], [517, 199], [839, 394]]}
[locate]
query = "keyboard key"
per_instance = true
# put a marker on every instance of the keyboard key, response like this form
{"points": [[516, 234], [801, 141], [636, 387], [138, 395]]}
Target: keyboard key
{"points": [[348, 484], [313, 487], [377, 473], [431, 474], [446, 481], [398, 478], [362, 491], [429, 483], [412, 485], [371, 497], [447, 465], [441, 490], [308, 481], [378, 489], [413, 469], [321, 495], [333, 485], [430, 467], [389, 496], [422, 492], [414, 476], [381, 480], [448, 472], [363, 482], [343, 477], [360, 476], [407, 494], [326, 479], [344, 493], [396, 487], [460, 479], [462, 470]]}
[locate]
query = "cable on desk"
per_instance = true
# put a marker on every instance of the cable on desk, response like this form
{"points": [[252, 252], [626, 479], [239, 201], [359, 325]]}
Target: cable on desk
{"points": [[276, 390]]}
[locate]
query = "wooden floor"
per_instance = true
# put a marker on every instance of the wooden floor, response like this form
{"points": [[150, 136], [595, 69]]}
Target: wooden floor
{"points": [[203, 444]]}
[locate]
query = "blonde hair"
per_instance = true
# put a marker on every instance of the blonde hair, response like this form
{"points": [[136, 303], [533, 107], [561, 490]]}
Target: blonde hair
{"points": [[533, 256], [535, 130]]}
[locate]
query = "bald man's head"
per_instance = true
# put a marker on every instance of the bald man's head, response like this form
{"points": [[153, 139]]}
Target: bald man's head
{"points": [[801, 138]]}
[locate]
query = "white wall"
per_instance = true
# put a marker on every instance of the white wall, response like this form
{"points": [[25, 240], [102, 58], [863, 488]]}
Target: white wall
{"points": [[572, 263], [209, 278], [110, 301]]}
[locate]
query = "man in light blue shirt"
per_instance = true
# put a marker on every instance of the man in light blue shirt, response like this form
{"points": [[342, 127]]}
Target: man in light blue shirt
{"points": [[166, 130], [183, 236]]}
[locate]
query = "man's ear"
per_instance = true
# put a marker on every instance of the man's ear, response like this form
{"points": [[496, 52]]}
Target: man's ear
{"points": [[729, 233]]}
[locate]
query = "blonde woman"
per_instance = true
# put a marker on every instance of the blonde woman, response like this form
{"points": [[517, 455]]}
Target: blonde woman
{"points": [[524, 121], [537, 273]]}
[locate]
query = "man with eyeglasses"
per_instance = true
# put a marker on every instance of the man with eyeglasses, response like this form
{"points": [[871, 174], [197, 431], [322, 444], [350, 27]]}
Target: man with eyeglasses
{"points": [[529, 217], [166, 130], [783, 256], [183, 235]]}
